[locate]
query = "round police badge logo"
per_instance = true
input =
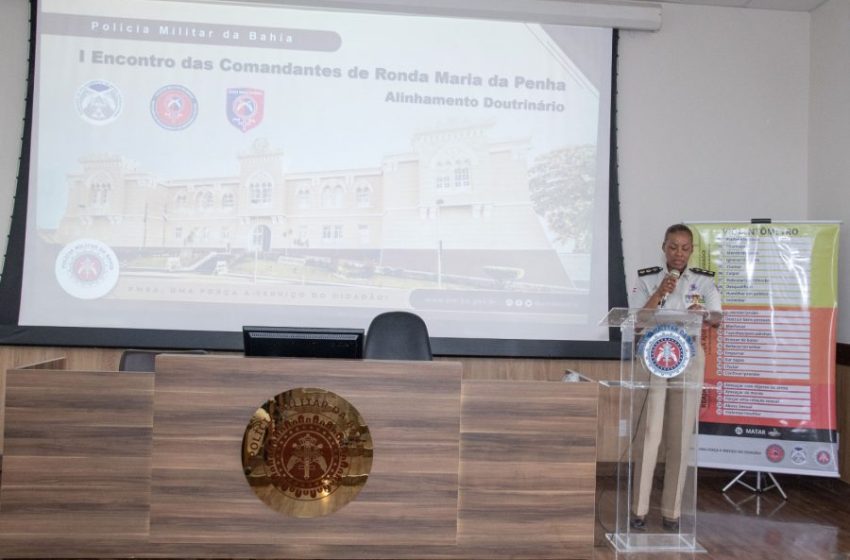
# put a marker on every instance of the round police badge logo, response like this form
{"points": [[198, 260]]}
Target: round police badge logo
{"points": [[798, 455], [98, 102], [774, 453], [174, 107], [87, 269], [666, 350], [823, 457], [307, 452]]}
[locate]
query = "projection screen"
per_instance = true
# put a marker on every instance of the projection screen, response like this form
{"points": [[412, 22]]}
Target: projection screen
{"points": [[202, 166]]}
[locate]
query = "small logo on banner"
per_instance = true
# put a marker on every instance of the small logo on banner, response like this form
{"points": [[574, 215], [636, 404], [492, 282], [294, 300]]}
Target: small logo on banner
{"points": [[98, 102], [798, 456], [666, 350], [774, 453], [87, 269], [174, 107], [245, 107], [823, 457]]}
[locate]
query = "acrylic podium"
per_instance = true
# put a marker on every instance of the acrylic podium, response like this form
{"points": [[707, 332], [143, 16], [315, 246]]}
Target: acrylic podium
{"points": [[661, 378]]}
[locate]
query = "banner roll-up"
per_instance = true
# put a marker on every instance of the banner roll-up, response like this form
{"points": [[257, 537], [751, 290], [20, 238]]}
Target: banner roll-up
{"points": [[769, 402]]}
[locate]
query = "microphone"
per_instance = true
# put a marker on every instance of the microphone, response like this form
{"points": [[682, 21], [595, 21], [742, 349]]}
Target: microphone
{"points": [[672, 274]]}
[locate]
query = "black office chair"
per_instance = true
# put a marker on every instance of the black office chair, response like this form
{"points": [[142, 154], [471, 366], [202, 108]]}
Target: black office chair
{"points": [[397, 335], [144, 360]]}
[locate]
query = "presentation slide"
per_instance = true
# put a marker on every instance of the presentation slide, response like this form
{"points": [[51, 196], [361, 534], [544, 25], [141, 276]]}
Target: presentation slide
{"points": [[204, 166]]}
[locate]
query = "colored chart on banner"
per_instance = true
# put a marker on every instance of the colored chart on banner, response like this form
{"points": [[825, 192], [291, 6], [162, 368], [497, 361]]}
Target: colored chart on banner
{"points": [[769, 402]]}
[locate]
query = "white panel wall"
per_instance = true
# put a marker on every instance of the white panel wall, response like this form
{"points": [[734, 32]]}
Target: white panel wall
{"points": [[829, 136], [14, 50], [713, 113]]}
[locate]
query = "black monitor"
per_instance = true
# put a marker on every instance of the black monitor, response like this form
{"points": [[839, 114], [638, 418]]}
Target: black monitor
{"points": [[303, 342]]}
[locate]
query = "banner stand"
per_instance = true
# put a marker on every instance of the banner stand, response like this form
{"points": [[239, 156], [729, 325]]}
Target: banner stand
{"points": [[754, 505], [770, 403], [758, 487]]}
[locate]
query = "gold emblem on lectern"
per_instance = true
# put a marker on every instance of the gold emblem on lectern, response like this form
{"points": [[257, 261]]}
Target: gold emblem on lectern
{"points": [[307, 452]]}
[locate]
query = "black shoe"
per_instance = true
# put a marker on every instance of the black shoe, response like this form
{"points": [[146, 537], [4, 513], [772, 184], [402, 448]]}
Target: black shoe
{"points": [[671, 525], [638, 523]]}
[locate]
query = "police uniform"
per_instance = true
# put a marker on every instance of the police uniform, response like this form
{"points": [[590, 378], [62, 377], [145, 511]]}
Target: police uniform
{"points": [[669, 413], [694, 286]]}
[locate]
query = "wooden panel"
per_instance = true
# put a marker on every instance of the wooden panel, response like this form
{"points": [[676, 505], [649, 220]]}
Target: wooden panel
{"points": [[77, 460], [63, 413], [524, 456], [106, 359], [53, 363], [528, 455], [525, 369], [528, 369], [505, 522], [17, 357], [474, 368], [813, 524], [211, 399], [75, 506]]}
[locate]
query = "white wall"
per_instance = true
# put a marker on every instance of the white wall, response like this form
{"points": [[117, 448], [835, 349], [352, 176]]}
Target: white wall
{"points": [[14, 46], [713, 120], [829, 135]]}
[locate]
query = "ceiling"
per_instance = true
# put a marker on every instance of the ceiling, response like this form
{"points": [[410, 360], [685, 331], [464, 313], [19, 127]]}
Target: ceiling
{"points": [[785, 5], [788, 5]]}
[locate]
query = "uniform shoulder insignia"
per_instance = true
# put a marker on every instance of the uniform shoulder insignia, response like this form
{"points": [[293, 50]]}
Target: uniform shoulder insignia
{"points": [[650, 270], [703, 271]]}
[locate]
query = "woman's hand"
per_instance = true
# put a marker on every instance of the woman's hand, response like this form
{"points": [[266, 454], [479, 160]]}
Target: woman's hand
{"points": [[668, 284]]}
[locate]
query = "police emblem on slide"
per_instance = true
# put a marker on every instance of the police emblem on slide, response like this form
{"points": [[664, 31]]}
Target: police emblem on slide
{"points": [[87, 269], [306, 452], [174, 107], [666, 350], [245, 107], [98, 102]]}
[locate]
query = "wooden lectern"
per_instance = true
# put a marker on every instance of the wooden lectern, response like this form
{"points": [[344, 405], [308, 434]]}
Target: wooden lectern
{"points": [[120, 465]]}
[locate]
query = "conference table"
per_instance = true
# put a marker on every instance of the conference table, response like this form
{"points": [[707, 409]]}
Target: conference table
{"points": [[105, 464]]}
